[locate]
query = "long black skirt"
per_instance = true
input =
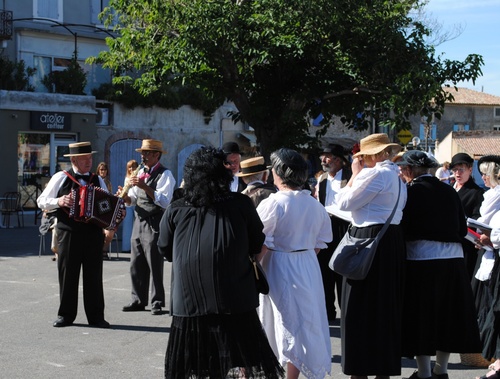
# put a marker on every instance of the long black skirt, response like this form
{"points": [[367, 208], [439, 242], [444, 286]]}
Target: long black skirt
{"points": [[489, 323], [220, 346], [371, 310], [439, 312]]}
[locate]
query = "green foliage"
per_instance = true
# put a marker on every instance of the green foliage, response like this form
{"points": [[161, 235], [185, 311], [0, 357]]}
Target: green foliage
{"points": [[283, 61], [166, 96], [71, 81], [14, 76]]}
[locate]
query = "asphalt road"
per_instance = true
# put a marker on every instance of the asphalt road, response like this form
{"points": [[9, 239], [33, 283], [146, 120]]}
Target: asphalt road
{"points": [[134, 346]]}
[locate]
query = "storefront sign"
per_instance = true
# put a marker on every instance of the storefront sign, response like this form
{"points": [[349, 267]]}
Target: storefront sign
{"points": [[50, 121]]}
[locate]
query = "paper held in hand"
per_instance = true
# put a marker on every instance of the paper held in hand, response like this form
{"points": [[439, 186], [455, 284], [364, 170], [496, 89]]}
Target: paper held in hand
{"points": [[334, 210], [473, 237], [474, 224]]}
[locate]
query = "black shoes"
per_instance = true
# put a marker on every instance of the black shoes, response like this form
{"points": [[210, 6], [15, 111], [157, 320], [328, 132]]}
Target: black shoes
{"points": [[100, 324], [61, 322], [415, 376], [133, 307], [440, 376], [156, 309]]}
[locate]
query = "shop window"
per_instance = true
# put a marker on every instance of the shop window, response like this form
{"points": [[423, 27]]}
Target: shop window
{"points": [[33, 155]]}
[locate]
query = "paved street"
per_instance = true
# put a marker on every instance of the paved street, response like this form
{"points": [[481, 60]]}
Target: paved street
{"points": [[135, 345]]}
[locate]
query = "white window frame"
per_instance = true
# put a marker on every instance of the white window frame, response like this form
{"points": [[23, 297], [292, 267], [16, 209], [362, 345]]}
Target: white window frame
{"points": [[59, 18], [496, 112], [496, 128]]}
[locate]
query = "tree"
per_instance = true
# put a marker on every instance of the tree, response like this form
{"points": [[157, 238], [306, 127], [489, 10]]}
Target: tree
{"points": [[284, 61], [71, 81], [15, 76]]}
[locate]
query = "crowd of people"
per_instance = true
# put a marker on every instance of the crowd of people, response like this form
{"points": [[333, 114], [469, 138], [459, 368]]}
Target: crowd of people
{"points": [[431, 289]]}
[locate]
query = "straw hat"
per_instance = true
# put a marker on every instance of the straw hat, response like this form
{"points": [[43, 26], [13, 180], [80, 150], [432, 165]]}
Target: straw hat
{"points": [[151, 145], [252, 166], [79, 148], [375, 143]]}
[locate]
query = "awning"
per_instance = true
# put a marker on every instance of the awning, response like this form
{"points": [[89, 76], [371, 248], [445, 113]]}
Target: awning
{"points": [[250, 137]]}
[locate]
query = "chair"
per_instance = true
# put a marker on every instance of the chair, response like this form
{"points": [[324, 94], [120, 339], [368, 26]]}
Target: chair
{"points": [[11, 203], [115, 239]]}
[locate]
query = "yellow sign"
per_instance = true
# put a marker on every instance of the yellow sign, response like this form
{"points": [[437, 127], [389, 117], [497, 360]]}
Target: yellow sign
{"points": [[404, 136]]}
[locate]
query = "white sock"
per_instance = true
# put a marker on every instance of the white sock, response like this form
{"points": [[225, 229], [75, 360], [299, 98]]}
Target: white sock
{"points": [[441, 366], [424, 366]]}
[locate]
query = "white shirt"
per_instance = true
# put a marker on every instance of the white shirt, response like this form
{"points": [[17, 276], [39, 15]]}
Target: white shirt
{"points": [[373, 195], [332, 187], [490, 204], [294, 220], [163, 192], [441, 173], [234, 184], [48, 198]]}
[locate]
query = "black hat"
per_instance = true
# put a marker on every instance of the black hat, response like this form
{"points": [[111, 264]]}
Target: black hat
{"points": [[488, 158], [335, 150], [231, 148], [461, 158], [417, 158]]}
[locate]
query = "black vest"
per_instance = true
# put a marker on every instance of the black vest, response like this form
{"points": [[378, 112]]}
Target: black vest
{"points": [[63, 220], [145, 206]]}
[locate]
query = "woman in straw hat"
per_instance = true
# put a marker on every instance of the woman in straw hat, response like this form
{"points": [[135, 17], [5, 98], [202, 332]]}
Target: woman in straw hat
{"points": [[438, 313], [371, 308]]}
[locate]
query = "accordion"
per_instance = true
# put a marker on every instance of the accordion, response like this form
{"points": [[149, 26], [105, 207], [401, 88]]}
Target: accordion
{"points": [[97, 206]]}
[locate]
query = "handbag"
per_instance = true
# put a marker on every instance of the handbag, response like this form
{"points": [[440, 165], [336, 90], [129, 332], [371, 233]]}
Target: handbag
{"points": [[260, 277], [353, 256]]}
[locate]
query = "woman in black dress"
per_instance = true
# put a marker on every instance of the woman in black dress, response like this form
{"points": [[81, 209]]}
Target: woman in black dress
{"points": [[209, 235], [438, 314]]}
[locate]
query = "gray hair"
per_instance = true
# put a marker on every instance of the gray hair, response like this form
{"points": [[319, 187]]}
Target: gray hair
{"points": [[290, 166]]}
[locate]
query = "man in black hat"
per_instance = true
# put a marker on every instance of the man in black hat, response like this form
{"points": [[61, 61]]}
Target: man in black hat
{"points": [[337, 174], [233, 160], [471, 196], [79, 243]]}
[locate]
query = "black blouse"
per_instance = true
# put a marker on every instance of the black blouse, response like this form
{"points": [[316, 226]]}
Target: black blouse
{"points": [[209, 250]]}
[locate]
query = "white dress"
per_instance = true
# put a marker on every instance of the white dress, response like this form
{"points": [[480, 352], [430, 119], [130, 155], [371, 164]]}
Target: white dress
{"points": [[294, 313]]}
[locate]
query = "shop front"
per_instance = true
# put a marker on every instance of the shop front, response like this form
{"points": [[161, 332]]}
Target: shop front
{"points": [[35, 130]]}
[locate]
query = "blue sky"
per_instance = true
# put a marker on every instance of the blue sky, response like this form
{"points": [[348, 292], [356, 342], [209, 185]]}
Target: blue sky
{"points": [[481, 35]]}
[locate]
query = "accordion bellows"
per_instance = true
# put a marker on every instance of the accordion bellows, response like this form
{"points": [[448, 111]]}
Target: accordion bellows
{"points": [[95, 205]]}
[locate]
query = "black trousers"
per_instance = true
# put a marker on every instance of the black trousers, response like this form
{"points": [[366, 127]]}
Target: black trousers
{"points": [[81, 249], [332, 282]]}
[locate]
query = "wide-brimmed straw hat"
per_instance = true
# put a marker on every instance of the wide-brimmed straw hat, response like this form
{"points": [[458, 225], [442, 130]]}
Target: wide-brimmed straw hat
{"points": [[375, 143], [151, 145], [417, 158], [252, 166], [79, 148]]}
